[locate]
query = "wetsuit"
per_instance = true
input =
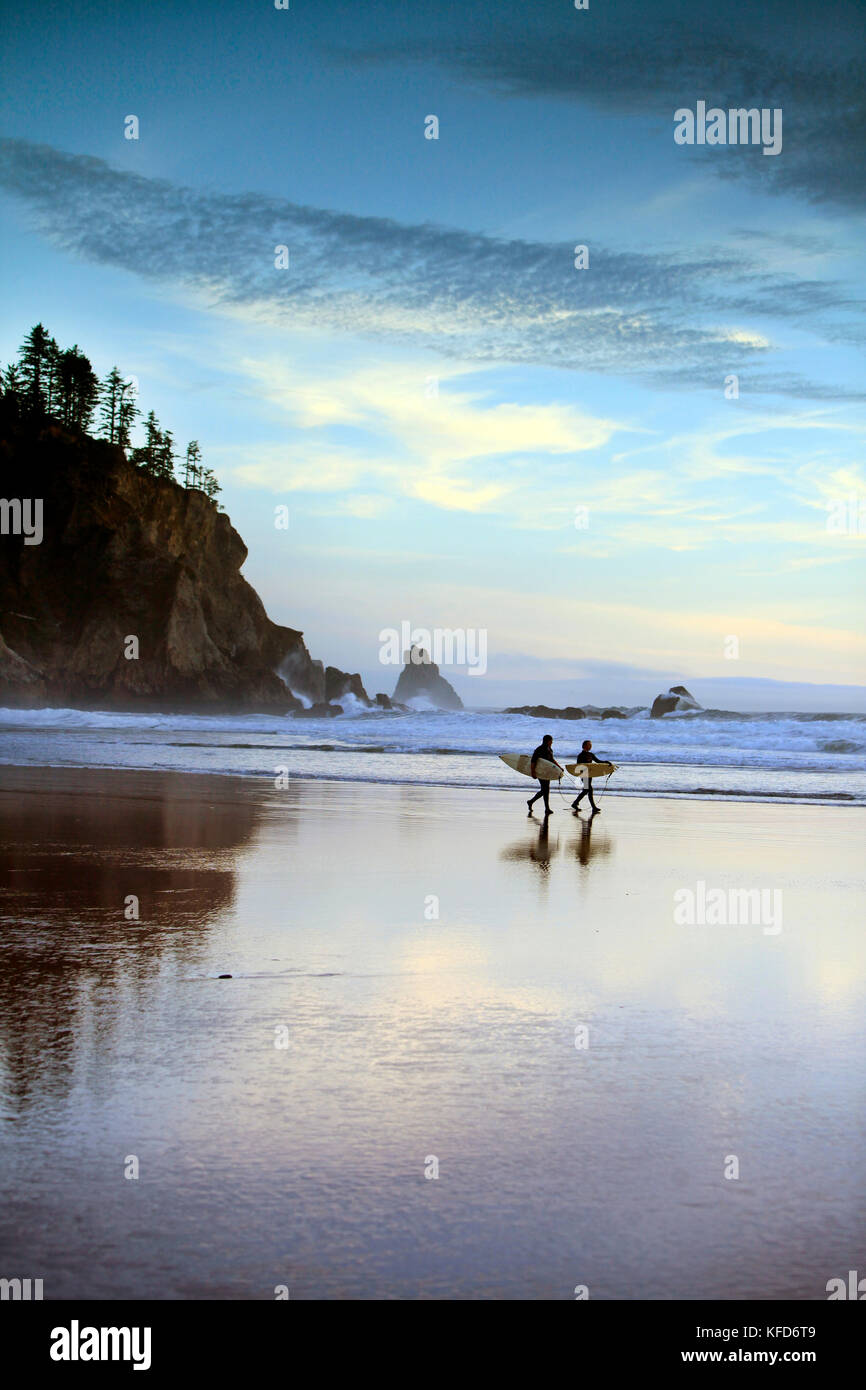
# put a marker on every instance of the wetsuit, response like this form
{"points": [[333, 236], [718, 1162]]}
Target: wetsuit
{"points": [[587, 791], [542, 751]]}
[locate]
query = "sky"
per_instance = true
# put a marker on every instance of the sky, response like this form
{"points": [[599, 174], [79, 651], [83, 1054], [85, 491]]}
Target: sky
{"points": [[642, 471]]}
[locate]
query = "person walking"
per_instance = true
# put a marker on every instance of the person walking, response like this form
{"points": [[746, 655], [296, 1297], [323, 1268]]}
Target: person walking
{"points": [[544, 752], [586, 755]]}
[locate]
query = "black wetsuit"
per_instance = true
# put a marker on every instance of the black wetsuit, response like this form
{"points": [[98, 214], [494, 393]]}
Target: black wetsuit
{"points": [[587, 791], [542, 751]]}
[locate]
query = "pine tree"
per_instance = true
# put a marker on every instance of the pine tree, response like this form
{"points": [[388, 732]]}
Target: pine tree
{"points": [[78, 389], [146, 456], [192, 467], [10, 380], [33, 354], [111, 396], [165, 455], [209, 485], [127, 412], [12, 385], [51, 380]]}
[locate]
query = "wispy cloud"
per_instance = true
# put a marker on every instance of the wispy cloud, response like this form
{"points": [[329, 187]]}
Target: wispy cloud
{"points": [[463, 295], [645, 61]]}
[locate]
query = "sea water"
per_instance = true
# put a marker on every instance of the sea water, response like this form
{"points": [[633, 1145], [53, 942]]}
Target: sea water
{"points": [[814, 758]]}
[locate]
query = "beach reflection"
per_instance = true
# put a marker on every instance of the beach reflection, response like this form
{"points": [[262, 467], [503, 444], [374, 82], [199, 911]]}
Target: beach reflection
{"points": [[95, 907], [592, 842], [537, 846]]}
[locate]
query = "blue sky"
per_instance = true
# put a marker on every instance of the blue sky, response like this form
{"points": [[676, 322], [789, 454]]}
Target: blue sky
{"points": [[431, 386]]}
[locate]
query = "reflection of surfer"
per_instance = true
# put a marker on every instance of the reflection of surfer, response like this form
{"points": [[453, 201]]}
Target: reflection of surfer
{"points": [[586, 755], [544, 752]]}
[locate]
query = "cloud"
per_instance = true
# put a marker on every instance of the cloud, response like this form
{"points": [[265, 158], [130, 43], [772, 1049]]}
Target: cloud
{"points": [[457, 447], [461, 294], [646, 61]]}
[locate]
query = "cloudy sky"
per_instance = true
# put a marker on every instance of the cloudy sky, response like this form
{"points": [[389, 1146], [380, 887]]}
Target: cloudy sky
{"points": [[468, 431]]}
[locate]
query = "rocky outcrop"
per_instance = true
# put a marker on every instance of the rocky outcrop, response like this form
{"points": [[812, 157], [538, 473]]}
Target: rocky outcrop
{"points": [[545, 712], [319, 711], [338, 684], [674, 701], [134, 597], [420, 679]]}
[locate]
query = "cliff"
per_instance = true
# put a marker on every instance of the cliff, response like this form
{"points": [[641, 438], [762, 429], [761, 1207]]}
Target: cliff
{"points": [[125, 555]]}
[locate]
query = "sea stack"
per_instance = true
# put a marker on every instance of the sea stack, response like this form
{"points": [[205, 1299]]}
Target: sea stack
{"points": [[420, 679]]}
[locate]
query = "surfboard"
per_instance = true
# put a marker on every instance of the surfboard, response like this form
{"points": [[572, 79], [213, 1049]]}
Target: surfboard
{"points": [[593, 769], [521, 762]]}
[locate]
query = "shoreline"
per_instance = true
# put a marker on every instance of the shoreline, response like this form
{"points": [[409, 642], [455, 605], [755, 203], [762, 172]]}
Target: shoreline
{"points": [[736, 796]]}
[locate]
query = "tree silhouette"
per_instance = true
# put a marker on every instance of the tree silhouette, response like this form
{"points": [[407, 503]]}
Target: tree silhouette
{"points": [[111, 396], [50, 383], [126, 415], [33, 361], [192, 467], [209, 485], [51, 377], [78, 388], [165, 455]]}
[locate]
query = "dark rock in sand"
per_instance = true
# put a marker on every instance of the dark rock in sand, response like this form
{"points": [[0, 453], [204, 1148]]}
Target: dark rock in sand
{"points": [[384, 701], [420, 678], [676, 699]]}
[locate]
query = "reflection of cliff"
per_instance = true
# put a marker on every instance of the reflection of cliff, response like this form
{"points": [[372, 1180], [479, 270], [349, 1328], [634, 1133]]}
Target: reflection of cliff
{"points": [[78, 844]]}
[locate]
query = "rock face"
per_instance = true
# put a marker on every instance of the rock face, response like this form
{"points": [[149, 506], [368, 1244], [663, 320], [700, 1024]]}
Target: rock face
{"points": [[126, 555], [338, 684], [420, 678], [676, 699]]}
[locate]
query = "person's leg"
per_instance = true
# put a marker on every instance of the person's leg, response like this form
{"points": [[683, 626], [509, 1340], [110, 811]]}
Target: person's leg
{"points": [[545, 792], [591, 799], [577, 800]]}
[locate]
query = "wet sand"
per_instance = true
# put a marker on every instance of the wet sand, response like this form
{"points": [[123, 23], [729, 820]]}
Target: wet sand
{"points": [[430, 958]]}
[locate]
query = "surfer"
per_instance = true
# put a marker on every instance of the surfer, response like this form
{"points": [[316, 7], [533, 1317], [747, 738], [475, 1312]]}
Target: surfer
{"points": [[543, 753], [586, 755]]}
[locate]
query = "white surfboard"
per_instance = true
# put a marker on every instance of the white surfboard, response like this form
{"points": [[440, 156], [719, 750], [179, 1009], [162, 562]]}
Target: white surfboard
{"points": [[521, 762], [591, 769]]}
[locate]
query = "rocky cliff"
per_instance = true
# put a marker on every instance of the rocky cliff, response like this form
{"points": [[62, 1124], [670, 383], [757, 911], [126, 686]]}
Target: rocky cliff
{"points": [[133, 598]]}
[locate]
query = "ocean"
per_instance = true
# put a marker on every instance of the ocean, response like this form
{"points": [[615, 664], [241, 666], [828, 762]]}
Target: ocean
{"points": [[714, 754]]}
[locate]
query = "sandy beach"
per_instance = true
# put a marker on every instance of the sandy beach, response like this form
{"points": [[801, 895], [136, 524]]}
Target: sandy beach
{"points": [[457, 1057]]}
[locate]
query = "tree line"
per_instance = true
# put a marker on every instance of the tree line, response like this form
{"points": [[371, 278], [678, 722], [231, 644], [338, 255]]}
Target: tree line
{"points": [[52, 383]]}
